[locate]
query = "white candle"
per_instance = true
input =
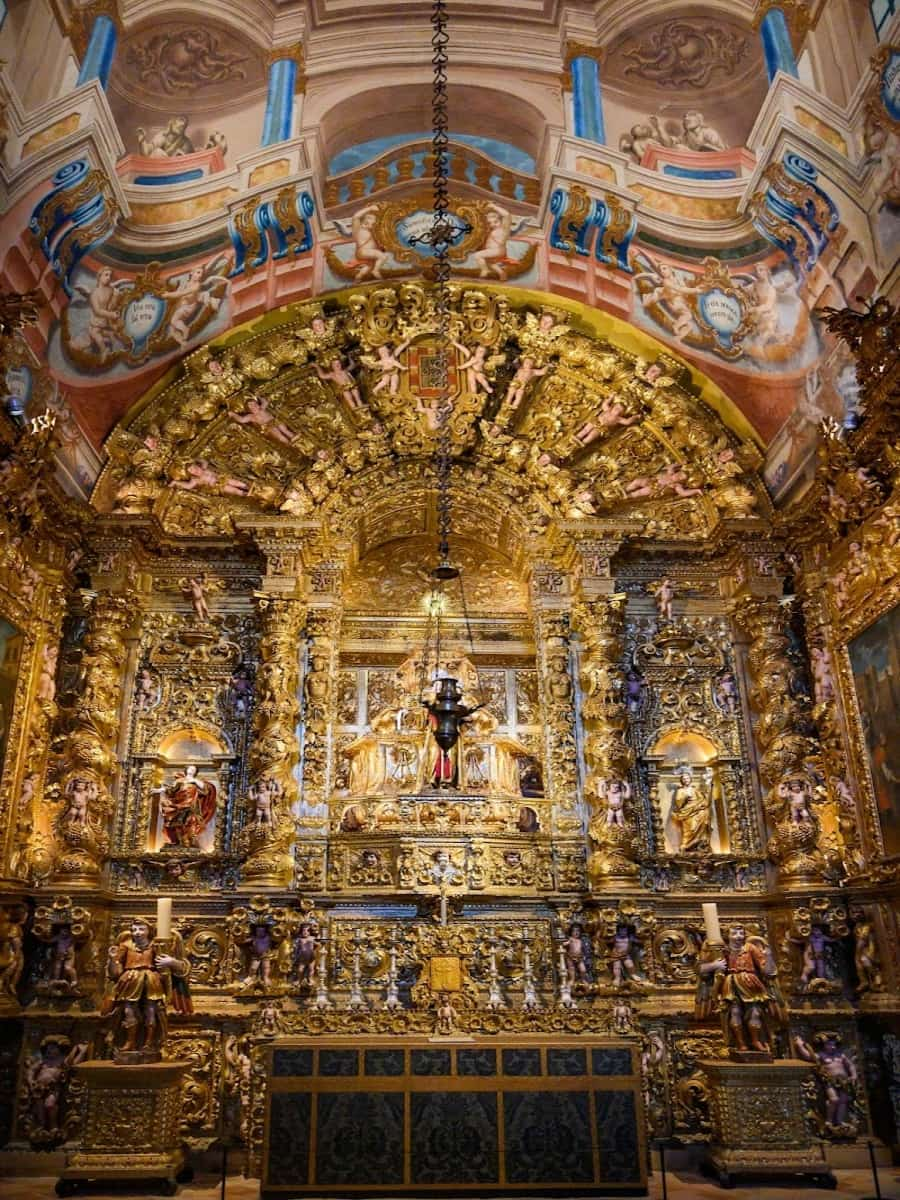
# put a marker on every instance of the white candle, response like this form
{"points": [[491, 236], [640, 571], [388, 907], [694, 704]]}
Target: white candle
{"points": [[164, 917], [711, 923]]}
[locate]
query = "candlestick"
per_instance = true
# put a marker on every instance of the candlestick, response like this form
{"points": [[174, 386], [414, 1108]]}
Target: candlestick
{"points": [[711, 923], [163, 918]]}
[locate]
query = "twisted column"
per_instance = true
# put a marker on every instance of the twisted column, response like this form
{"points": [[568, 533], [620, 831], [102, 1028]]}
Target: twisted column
{"points": [[267, 836], [789, 755], [87, 756], [846, 818], [608, 758]]}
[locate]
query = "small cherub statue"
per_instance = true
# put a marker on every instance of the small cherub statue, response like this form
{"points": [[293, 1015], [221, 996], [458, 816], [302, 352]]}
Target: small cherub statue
{"points": [[342, 379], [664, 594], [520, 381], [615, 793], [446, 1015], [577, 950], [305, 953]]}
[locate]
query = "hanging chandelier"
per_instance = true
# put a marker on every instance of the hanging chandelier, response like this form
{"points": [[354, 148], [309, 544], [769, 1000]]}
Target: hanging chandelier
{"points": [[440, 692]]}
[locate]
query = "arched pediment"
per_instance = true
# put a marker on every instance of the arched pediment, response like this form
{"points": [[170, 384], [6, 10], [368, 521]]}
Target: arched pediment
{"points": [[328, 410]]}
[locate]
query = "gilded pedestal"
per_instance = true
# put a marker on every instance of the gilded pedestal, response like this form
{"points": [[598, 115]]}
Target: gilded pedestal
{"points": [[131, 1125], [758, 1122]]}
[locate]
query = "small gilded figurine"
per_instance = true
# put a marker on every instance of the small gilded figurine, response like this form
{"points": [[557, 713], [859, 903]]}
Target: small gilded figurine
{"points": [[740, 981], [664, 594], [144, 982]]}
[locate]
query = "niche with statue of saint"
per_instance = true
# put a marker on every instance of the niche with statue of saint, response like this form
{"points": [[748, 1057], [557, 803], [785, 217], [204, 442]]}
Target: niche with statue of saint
{"points": [[687, 789]]}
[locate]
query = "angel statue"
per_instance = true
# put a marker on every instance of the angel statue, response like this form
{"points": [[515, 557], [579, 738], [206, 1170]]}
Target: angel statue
{"points": [[740, 981], [146, 977]]}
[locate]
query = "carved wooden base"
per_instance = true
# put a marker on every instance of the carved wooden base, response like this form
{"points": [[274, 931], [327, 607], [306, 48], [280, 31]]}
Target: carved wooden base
{"points": [[131, 1125], [758, 1123]]}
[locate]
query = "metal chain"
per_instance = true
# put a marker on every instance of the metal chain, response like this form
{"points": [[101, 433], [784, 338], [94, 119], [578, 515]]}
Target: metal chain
{"points": [[441, 237]]}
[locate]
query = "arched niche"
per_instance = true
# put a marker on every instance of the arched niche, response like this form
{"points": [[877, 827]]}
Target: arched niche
{"points": [[686, 790], [186, 792]]}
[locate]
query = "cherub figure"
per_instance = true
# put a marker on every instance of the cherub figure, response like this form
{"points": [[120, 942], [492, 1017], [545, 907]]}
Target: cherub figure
{"points": [[664, 594], [305, 953], [797, 792], [475, 364], [673, 293], [823, 678], [635, 689], [46, 685], [615, 793], [144, 690], [240, 690], [763, 294], [387, 363], [865, 958], [257, 413], [193, 295], [201, 474], [46, 1082], [577, 951], [493, 258], [105, 300], [725, 692], [815, 957], [194, 588], [445, 1015], [370, 257], [79, 793], [523, 376], [340, 376], [623, 955], [838, 1076]]}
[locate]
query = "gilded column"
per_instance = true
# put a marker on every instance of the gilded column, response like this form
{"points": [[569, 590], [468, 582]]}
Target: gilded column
{"points": [[268, 834], [551, 604], [320, 685], [789, 754], [87, 754], [841, 817], [600, 620]]}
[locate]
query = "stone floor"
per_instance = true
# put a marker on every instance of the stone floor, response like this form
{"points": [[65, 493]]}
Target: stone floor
{"points": [[682, 1185]]}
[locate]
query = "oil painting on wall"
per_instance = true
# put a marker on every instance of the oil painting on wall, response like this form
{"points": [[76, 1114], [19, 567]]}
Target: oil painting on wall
{"points": [[875, 659]]}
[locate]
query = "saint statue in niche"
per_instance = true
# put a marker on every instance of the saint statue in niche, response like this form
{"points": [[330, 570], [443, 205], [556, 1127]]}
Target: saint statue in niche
{"points": [[690, 812], [187, 807]]}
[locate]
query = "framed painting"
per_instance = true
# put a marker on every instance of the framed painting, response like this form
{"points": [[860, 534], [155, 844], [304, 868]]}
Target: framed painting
{"points": [[875, 664]]}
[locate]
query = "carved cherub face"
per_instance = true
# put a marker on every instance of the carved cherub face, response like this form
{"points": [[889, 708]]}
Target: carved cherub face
{"points": [[317, 325]]}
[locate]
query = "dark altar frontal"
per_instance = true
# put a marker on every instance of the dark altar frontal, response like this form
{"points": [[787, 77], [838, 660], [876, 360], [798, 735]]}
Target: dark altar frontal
{"points": [[454, 1116]]}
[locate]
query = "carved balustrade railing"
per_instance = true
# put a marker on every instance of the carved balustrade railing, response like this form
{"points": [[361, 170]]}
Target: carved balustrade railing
{"points": [[414, 161]]}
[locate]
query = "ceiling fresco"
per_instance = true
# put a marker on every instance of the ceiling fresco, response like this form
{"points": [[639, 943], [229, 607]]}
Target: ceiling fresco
{"points": [[645, 166]]}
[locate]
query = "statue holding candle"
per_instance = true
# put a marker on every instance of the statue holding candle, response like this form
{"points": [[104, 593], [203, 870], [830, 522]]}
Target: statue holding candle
{"points": [[146, 976], [740, 981]]}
